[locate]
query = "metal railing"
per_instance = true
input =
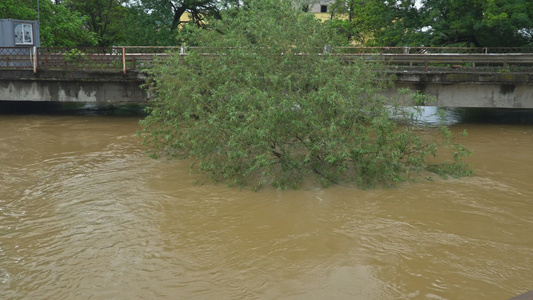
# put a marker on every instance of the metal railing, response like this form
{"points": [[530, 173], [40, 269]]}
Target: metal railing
{"points": [[433, 50], [79, 58], [16, 58], [135, 57]]}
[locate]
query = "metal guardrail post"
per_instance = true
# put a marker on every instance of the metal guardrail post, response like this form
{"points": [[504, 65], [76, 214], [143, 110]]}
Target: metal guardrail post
{"points": [[124, 60], [35, 53]]}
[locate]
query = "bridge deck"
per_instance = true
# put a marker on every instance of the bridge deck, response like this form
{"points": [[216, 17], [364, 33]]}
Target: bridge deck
{"points": [[462, 77]]}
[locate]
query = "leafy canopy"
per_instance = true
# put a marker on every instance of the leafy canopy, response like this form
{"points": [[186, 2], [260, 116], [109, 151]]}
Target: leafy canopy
{"points": [[377, 22], [481, 23], [263, 102], [59, 26], [158, 22]]}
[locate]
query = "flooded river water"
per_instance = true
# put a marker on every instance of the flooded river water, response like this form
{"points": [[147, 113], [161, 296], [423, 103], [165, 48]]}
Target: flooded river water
{"points": [[84, 214]]}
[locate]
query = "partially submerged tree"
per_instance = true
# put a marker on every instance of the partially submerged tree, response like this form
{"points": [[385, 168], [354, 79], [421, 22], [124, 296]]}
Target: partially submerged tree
{"points": [[263, 101]]}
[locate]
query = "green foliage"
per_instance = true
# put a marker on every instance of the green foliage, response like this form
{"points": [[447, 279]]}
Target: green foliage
{"points": [[480, 23], [59, 27], [456, 167], [161, 22], [75, 56], [101, 17], [452, 22], [143, 29], [170, 12], [18, 9], [379, 23], [506, 23], [345, 28], [261, 103]]}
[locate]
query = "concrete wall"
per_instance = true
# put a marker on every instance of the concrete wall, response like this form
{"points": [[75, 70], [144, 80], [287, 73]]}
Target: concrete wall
{"points": [[463, 89], [451, 89], [72, 86]]}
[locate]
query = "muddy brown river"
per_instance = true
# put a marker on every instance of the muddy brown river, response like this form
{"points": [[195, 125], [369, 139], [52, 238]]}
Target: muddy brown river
{"points": [[84, 214]]}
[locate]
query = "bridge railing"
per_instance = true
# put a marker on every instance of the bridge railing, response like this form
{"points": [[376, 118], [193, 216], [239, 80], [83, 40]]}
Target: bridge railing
{"points": [[79, 58], [433, 50], [143, 56], [405, 50], [16, 58], [135, 57]]}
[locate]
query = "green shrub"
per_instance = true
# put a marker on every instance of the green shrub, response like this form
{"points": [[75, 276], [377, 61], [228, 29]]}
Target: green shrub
{"points": [[268, 105]]}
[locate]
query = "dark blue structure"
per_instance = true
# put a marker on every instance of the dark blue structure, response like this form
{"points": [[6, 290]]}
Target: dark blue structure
{"points": [[17, 39], [19, 33]]}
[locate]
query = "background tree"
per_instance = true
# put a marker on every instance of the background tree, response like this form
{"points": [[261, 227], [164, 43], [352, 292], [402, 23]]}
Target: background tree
{"points": [[451, 22], [480, 23], [274, 108], [154, 22], [103, 17], [377, 22], [342, 19], [492, 23], [506, 23], [58, 25], [170, 12], [18, 9], [141, 28]]}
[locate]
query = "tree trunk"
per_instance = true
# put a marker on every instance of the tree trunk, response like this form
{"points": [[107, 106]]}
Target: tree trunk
{"points": [[178, 12]]}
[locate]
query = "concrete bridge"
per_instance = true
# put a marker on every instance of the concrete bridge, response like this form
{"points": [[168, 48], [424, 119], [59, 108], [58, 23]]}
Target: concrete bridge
{"points": [[48, 77], [451, 88]]}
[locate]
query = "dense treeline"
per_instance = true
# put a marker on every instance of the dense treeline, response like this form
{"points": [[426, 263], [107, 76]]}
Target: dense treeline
{"points": [[481, 23], [112, 22]]}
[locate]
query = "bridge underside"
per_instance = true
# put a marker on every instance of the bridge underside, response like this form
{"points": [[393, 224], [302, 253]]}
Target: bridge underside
{"points": [[451, 89]]}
